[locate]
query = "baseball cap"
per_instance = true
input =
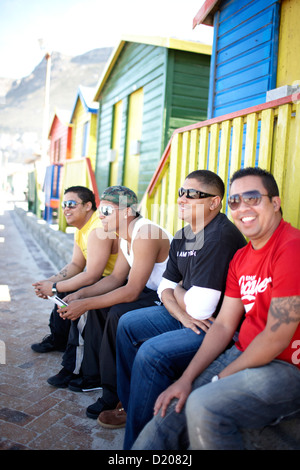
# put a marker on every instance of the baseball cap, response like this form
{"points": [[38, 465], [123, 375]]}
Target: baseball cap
{"points": [[120, 195]]}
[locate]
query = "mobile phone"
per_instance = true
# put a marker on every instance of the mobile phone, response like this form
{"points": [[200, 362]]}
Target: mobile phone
{"points": [[57, 301]]}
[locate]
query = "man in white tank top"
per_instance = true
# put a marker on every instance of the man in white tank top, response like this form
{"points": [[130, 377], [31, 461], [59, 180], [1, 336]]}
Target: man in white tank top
{"points": [[142, 259], [155, 344]]}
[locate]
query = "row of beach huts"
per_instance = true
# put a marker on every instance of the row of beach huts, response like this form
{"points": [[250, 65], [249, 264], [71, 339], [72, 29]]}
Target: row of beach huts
{"points": [[165, 106]]}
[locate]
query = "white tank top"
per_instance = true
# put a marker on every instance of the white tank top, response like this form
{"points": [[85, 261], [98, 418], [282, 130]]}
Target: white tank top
{"points": [[159, 268]]}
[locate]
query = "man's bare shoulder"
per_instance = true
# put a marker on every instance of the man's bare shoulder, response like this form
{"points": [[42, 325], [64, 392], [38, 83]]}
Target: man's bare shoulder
{"points": [[150, 231], [99, 234]]}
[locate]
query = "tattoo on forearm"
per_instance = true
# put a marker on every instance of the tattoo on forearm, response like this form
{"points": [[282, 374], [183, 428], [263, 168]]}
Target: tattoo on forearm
{"points": [[285, 310], [63, 272]]}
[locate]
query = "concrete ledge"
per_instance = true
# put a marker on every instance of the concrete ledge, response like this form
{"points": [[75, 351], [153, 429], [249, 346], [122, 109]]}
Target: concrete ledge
{"points": [[285, 90], [56, 244], [282, 436]]}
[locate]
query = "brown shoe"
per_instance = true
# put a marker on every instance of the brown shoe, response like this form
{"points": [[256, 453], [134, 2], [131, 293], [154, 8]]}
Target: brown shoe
{"points": [[113, 419]]}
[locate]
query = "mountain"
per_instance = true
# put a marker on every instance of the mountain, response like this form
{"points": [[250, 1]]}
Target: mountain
{"points": [[22, 101]]}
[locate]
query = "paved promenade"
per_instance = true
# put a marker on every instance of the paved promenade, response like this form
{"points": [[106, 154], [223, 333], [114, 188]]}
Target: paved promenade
{"points": [[34, 415]]}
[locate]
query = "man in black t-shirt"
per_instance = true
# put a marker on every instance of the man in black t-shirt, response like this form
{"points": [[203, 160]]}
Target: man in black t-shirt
{"points": [[155, 345]]}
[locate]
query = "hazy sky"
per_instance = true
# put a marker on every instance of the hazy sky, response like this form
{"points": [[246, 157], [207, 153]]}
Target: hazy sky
{"points": [[77, 26]]}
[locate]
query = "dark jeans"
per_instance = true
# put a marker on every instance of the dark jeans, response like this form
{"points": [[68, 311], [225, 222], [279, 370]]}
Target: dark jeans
{"points": [[153, 349], [73, 356], [100, 342], [59, 328]]}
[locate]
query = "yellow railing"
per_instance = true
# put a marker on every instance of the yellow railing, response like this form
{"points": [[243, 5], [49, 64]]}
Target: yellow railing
{"points": [[267, 135]]}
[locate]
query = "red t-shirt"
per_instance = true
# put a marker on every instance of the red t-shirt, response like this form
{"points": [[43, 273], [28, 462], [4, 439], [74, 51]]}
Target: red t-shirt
{"points": [[256, 276]]}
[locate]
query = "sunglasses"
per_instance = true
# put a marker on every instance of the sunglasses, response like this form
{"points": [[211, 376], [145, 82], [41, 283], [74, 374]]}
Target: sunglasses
{"points": [[251, 198], [107, 210], [193, 194], [70, 204]]}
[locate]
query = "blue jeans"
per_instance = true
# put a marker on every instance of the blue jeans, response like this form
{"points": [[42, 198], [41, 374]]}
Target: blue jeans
{"points": [[153, 349], [216, 412]]}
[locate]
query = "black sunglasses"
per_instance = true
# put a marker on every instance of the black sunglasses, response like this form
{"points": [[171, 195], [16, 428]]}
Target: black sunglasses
{"points": [[70, 204], [251, 198], [193, 194]]}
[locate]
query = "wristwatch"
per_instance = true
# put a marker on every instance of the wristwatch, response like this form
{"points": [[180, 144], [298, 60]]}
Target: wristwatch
{"points": [[215, 378], [54, 290]]}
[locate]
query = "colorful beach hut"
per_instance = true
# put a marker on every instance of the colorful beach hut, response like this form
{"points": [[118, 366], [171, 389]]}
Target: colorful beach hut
{"points": [[60, 137], [79, 168], [150, 87], [254, 105]]}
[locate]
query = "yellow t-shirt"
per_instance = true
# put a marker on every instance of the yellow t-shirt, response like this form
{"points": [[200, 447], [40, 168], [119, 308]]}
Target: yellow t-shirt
{"points": [[110, 264], [81, 238]]}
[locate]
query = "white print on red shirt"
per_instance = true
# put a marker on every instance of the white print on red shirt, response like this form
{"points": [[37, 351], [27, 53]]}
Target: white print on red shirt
{"points": [[250, 287], [296, 354]]}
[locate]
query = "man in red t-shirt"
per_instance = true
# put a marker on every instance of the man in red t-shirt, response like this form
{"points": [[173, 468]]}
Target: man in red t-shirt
{"points": [[256, 382]]}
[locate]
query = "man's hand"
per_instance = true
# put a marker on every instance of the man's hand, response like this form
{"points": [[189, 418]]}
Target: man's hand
{"points": [[71, 297], [173, 300], [73, 311], [189, 322], [179, 389], [43, 288]]}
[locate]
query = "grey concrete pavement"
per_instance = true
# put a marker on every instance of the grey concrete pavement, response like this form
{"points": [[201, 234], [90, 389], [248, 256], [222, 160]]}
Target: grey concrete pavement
{"points": [[33, 414]]}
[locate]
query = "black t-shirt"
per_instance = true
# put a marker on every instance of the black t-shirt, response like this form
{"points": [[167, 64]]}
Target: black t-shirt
{"points": [[203, 259]]}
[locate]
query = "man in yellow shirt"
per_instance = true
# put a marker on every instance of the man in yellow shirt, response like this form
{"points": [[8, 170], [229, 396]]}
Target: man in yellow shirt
{"points": [[94, 256]]}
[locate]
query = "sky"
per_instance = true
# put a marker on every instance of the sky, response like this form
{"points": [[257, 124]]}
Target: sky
{"points": [[73, 27]]}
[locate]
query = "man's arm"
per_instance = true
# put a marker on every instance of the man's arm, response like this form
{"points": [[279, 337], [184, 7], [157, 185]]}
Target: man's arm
{"points": [[71, 279], [175, 303], [98, 252], [137, 279], [215, 341], [175, 309], [76, 266], [283, 320], [107, 284]]}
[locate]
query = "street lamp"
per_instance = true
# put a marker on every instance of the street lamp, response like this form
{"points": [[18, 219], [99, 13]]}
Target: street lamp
{"points": [[42, 165], [46, 103]]}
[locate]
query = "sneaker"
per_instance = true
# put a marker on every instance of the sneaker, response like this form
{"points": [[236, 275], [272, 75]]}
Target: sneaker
{"points": [[113, 419], [62, 379], [84, 384], [96, 408], [46, 345]]}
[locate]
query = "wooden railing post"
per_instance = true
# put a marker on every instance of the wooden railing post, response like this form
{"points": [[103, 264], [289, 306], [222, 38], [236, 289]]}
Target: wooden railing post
{"points": [[224, 157], [281, 146], [237, 144], [291, 197], [251, 139], [174, 182], [203, 148], [266, 139], [193, 160], [214, 148]]}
